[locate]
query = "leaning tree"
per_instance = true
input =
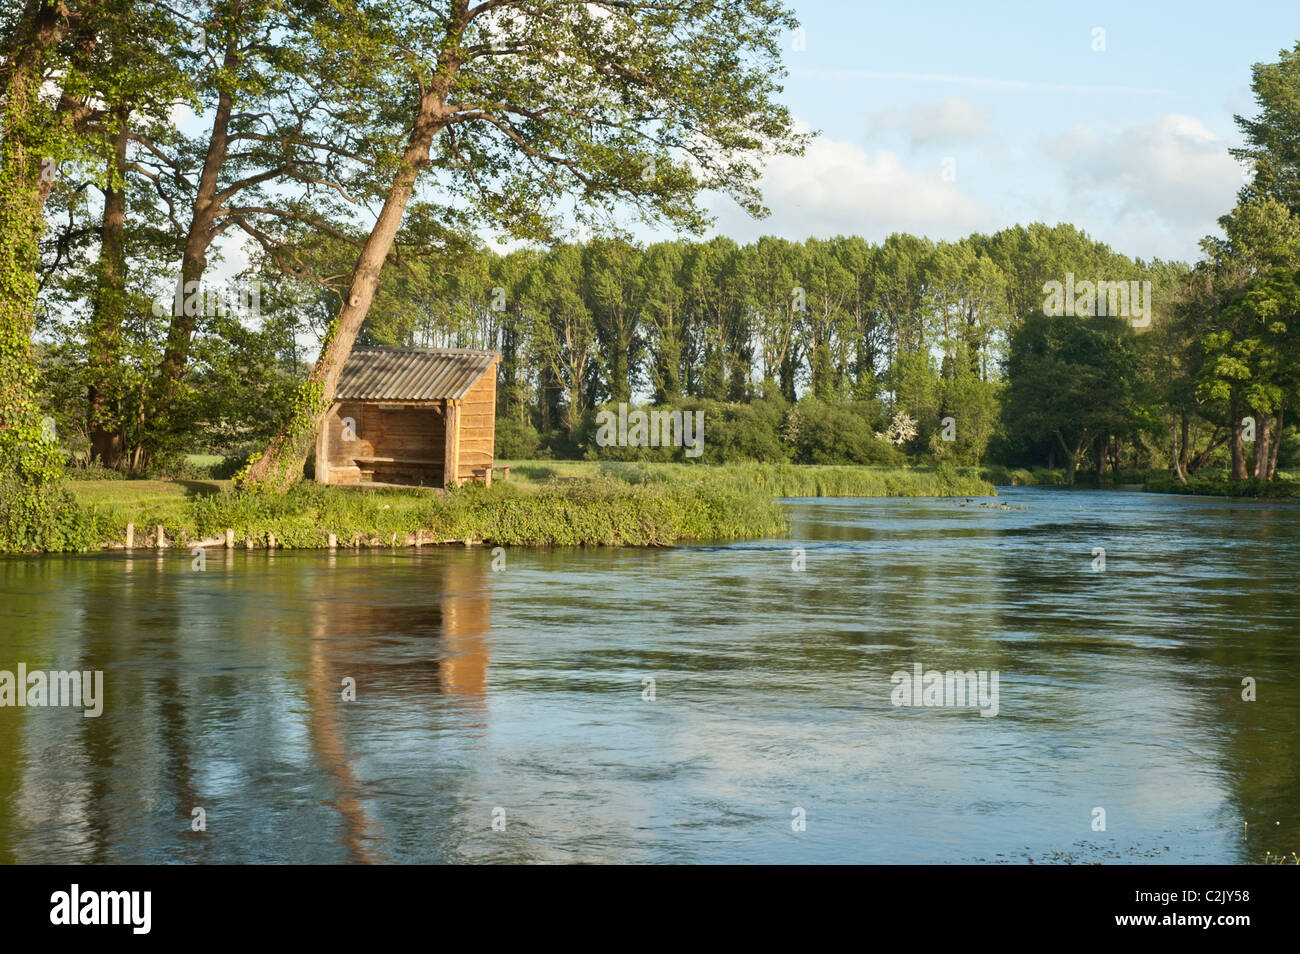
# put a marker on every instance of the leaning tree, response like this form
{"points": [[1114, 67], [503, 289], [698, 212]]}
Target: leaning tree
{"points": [[520, 115]]}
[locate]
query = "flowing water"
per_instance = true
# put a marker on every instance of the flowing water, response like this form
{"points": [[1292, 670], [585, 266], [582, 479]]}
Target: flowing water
{"points": [[697, 704]]}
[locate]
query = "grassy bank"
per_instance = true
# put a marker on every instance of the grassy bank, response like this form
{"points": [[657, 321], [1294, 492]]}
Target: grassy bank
{"points": [[1210, 483], [561, 503], [776, 480], [587, 511], [1056, 477], [1283, 486]]}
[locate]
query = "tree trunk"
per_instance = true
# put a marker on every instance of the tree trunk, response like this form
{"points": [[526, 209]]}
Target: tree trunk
{"points": [[1185, 427], [619, 388], [1198, 460], [1277, 442], [1262, 446], [551, 386], [281, 465], [1179, 455], [669, 390], [1235, 442], [105, 340], [194, 257], [72, 113], [1071, 459]]}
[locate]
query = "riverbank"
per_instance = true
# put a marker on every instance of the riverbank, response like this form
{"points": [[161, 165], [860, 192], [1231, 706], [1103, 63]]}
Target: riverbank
{"points": [[1215, 485], [546, 503], [1207, 483]]}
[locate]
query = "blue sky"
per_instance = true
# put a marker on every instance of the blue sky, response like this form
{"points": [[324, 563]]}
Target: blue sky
{"points": [[942, 118]]}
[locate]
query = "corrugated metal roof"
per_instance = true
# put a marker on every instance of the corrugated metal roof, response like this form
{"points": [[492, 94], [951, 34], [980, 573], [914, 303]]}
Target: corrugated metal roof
{"points": [[412, 374]]}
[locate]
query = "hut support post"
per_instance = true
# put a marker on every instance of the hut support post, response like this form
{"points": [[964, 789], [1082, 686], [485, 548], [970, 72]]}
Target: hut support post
{"points": [[451, 451]]}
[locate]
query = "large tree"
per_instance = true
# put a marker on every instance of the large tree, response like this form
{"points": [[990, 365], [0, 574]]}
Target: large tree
{"points": [[42, 43], [532, 105], [1074, 381], [1273, 135]]}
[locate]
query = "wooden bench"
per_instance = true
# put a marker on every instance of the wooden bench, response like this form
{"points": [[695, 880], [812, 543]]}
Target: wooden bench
{"points": [[398, 460]]}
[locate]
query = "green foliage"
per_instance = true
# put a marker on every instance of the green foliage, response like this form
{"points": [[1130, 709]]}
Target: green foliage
{"points": [[556, 504], [742, 432], [1073, 381], [784, 479], [821, 433], [612, 512], [1003, 476], [1273, 136], [795, 351], [732, 432], [598, 510], [515, 439], [1222, 485], [44, 518]]}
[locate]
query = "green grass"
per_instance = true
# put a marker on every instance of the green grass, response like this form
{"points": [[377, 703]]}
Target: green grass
{"points": [[146, 503], [1023, 476], [778, 480], [561, 503], [595, 510]]}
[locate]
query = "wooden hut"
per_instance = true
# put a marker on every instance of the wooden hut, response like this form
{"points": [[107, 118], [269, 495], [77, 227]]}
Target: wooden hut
{"points": [[412, 416]]}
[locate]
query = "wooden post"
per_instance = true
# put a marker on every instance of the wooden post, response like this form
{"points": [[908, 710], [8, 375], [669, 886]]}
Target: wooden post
{"points": [[130, 536], [451, 449], [162, 540], [230, 539], [270, 540], [333, 541]]}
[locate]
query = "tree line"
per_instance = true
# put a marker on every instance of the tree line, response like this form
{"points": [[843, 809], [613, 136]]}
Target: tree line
{"points": [[908, 328], [359, 149]]}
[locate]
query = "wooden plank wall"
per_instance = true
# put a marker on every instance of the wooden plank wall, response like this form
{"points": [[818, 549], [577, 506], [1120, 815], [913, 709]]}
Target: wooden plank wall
{"points": [[478, 412], [412, 431], [341, 452]]}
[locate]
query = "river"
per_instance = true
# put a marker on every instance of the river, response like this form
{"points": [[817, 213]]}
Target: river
{"points": [[707, 703]]}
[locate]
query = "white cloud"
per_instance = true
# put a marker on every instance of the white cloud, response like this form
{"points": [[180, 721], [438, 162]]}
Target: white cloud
{"points": [[951, 120], [838, 188], [1172, 169]]}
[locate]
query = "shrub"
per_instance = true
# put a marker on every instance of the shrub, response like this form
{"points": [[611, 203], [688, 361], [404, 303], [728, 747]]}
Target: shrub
{"points": [[516, 440], [48, 518], [737, 432], [230, 465], [178, 466], [821, 433]]}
